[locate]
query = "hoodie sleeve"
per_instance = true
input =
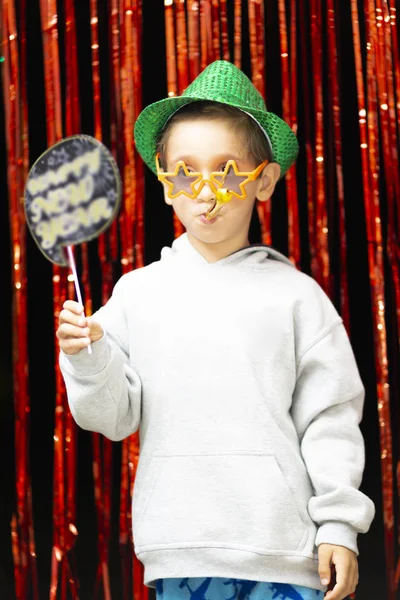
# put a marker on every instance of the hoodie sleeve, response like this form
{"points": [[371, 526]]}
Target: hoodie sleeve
{"points": [[104, 392], [327, 409]]}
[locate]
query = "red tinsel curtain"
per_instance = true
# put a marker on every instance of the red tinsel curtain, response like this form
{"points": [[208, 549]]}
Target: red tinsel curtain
{"points": [[304, 36]]}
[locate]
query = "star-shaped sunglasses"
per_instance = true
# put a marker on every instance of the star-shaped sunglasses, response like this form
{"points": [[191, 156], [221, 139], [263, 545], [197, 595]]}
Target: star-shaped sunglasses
{"points": [[185, 182]]}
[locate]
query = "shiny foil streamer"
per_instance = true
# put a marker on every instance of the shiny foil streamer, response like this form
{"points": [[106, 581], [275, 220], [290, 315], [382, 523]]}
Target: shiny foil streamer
{"points": [[13, 40], [390, 141], [335, 117], [177, 60], [128, 167], [320, 264], [139, 590], [181, 46], [289, 104], [138, 106], [396, 63], [205, 34], [193, 38], [257, 43], [307, 126], [130, 17], [209, 29], [390, 170], [371, 173], [181, 54], [224, 30], [216, 29], [172, 71], [124, 522], [108, 256], [63, 577], [126, 243], [237, 33], [101, 448], [376, 263], [72, 126], [108, 243]]}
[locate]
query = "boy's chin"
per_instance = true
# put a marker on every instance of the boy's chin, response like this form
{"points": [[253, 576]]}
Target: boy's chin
{"points": [[208, 236]]}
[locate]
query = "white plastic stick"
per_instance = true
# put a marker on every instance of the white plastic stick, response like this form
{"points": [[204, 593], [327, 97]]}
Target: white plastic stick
{"points": [[76, 282]]}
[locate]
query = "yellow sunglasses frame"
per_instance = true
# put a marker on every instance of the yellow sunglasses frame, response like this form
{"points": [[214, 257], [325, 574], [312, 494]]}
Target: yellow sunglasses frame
{"points": [[213, 182]]}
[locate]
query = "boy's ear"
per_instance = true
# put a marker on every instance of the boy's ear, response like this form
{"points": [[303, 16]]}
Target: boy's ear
{"points": [[268, 180], [167, 199]]}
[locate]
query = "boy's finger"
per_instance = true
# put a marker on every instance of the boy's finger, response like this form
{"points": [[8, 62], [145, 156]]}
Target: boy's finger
{"points": [[354, 579], [324, 563], [66, 330], [344, 581], [67, 316], [74, 345], [73, 306], [339, 592]]}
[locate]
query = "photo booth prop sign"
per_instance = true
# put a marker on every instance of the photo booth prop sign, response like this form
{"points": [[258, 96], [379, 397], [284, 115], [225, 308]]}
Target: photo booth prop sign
{"points": [[72, 194]]}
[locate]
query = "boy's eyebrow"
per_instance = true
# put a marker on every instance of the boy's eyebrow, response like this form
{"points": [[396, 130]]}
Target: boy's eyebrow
{"points": [[217, 159]]}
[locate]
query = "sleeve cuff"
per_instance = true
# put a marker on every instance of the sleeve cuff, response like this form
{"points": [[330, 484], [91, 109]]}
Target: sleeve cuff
{"points": [[83, 363], [337, 533]]}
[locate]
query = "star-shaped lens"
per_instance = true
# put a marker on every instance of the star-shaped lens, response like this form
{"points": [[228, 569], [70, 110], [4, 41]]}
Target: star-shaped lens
{"points": [[182, 183], [232, 179]]}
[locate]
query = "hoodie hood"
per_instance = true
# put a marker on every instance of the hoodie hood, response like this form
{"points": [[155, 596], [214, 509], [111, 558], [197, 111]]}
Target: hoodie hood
{"points": [[252, 256]]}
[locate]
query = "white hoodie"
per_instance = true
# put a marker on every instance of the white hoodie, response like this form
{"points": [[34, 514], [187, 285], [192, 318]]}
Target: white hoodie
{"points": [[242, 380]]}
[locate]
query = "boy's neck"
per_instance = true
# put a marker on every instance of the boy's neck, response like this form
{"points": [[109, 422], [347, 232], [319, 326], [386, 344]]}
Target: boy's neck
{"points": [[215, 252]]}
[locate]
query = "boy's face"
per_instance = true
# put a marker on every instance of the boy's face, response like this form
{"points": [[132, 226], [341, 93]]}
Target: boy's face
{"points": [[206, 146]]}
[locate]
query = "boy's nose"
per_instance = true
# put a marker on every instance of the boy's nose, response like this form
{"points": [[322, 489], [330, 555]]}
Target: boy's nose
{"points": [[206, 193]]}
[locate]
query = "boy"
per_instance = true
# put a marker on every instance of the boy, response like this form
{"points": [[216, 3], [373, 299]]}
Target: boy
{"points": [[235, 366]]}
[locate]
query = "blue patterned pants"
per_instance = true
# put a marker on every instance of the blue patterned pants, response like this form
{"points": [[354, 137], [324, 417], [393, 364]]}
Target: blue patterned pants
{"points": [[218, 588]]}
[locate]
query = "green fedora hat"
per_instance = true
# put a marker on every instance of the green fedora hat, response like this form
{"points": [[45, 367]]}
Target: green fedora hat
{"points": [[220, 82]]}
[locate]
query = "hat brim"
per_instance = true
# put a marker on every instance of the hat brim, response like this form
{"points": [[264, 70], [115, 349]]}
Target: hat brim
{"points": [[154, 117]]}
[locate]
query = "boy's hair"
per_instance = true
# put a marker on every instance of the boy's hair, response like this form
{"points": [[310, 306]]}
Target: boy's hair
{"points": [[258, 147]]}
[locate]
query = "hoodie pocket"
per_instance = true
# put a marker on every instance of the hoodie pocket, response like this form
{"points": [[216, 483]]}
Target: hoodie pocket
{"points": [[210, 499]]}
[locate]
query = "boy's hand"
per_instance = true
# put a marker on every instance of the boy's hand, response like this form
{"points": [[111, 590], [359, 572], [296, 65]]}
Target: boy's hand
{"points": [[346, 565], [76, 331]]}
